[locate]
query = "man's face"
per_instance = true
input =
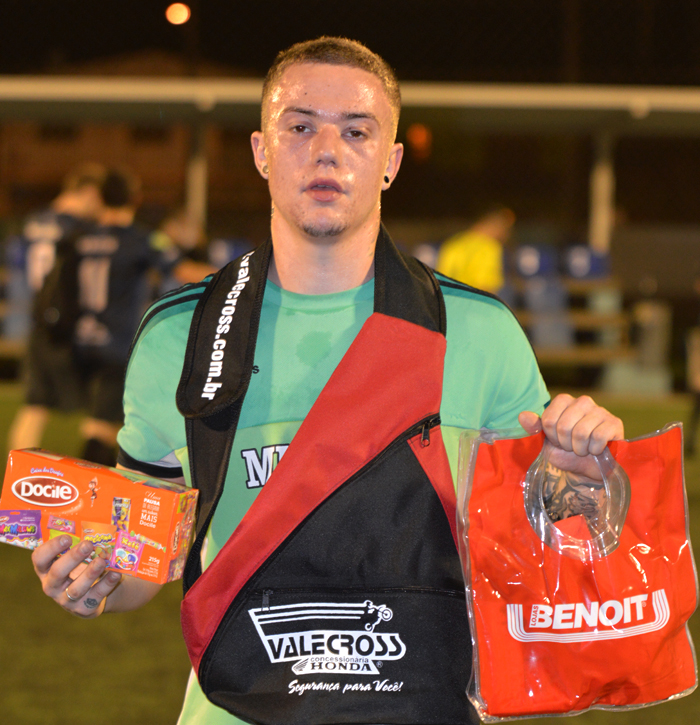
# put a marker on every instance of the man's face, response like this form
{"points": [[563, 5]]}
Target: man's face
{"points": [[328, 143]]}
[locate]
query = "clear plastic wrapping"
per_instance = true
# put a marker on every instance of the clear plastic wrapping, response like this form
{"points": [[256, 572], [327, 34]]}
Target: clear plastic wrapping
{"points": [[578, 589], [603, 507]]}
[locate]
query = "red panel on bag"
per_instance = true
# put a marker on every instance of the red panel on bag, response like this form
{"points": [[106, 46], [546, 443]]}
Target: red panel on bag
{"points": [[433, 460], [391, 363], [557, 635]]}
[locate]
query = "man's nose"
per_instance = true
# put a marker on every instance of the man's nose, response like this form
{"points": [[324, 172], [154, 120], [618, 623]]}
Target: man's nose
{"points": [[327, 147]]}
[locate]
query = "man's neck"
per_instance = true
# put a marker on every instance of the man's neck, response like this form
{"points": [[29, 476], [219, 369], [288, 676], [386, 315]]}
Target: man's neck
{"points": [[316, 266]]}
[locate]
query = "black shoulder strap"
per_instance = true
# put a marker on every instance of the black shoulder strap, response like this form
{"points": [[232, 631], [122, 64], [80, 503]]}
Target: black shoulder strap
{"points": [[221, 350], [215, 377], [406, 288]]}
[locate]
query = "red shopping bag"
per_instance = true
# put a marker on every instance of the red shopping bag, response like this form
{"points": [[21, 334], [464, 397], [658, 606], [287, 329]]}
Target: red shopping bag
{"points": [[587, 612]]}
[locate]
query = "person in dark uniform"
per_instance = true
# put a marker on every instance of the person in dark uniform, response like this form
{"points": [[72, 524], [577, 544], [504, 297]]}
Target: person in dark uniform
{"points": [[49, 363], [115, 260]]}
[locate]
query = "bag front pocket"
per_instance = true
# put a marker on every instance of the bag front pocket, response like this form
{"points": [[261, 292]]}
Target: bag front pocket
{"points": [[343, 656]]}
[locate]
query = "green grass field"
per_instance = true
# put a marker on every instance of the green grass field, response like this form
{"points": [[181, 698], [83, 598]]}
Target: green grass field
{"points": [[132, 668]]}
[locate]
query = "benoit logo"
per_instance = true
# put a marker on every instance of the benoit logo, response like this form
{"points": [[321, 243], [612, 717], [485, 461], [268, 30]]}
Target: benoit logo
{"points": [[612, 619], [572, 616], [44, 491]]}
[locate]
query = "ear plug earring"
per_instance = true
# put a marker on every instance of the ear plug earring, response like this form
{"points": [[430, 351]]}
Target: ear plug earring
{"points": [[386, 179], [265, 170]]}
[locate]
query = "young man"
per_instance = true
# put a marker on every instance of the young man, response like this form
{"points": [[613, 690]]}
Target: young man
{"points": [[327, 148]]}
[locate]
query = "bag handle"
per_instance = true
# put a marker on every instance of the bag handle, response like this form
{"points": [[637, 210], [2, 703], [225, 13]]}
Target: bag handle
{"points": [[597, 508]]}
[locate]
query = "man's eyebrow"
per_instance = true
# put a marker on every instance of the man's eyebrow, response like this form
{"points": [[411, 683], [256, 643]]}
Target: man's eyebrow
{"points": [[297, 109], [353, 116], [349, 116]]}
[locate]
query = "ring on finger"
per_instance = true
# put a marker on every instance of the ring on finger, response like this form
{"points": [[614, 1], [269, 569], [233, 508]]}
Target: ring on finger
{"points": [[73, 599]]}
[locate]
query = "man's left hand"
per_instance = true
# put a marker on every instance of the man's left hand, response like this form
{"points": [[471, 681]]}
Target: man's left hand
{"points": [[576, 429]]}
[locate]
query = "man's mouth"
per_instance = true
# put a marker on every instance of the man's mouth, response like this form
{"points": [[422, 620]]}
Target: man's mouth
{"points": [[324, 189]]}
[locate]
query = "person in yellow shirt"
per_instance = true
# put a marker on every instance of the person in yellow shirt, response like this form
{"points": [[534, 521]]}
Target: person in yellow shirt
{"points": [[475, 256]]}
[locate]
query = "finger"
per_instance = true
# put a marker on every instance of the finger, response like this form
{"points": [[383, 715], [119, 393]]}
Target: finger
{"points": [[530, 422], [560, 422], [78, 587], [569, 462], [55, 580], [587, 428], [88, 586], [588, 433], [552, 413], [93, 602], [45, 555], [609, 429]]}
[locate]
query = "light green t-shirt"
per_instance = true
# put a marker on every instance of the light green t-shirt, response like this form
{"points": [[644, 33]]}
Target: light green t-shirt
{"points": [[490, 376]]}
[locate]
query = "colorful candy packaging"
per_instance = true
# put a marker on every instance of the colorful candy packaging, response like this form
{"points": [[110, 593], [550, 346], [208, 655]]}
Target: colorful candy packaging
{"points": [[579, 590], [141, 525], [120, 513], [102, 536], [127, 553], [21, 528]]}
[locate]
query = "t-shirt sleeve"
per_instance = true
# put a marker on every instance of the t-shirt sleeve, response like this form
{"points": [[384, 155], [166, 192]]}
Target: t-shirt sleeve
{"points": [[491, 373], [520, 385], [154, 431]]}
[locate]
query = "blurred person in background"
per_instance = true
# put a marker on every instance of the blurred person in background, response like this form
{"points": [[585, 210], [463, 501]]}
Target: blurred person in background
{"points": [[187, 234], [30, 255], [475, 256], [96, 293], [49, 360], [115, 261]]}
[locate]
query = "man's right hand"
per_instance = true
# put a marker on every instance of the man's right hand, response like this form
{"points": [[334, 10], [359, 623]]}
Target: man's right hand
{"points": [[84, 589]]}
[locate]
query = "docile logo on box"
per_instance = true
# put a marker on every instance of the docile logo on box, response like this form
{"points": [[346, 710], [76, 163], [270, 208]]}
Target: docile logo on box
{"points": [[45, 492]]}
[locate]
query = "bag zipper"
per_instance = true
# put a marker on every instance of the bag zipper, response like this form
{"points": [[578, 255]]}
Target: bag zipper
{"points": [[425, 435], [423, 427], [267, 594]]}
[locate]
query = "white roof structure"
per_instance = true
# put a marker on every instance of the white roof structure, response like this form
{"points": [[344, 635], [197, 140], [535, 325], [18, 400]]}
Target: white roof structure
{"points": [[604, 112], [535, 107]]}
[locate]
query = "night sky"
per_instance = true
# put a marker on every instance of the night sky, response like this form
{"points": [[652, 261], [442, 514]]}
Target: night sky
{"points": [[588, 41]]}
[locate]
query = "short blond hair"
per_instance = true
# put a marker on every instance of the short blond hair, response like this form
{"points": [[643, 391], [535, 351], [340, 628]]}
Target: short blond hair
{"points": [[333, 51]]}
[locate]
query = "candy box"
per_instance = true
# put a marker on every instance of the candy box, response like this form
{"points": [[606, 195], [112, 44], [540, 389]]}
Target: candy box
{"points": [[141, 525]]}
